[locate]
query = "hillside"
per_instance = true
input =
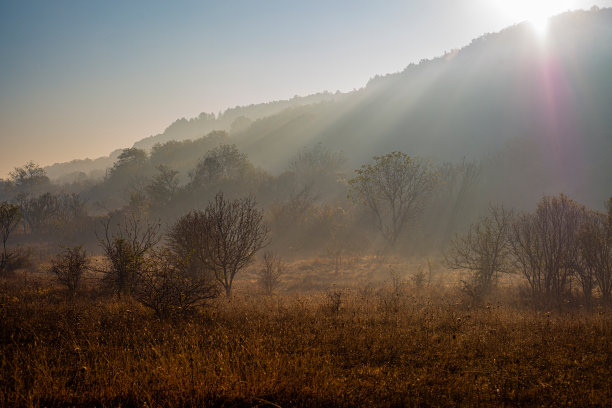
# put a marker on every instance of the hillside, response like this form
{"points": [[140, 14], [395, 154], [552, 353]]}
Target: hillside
{"points": [[233, 119], [546, 101], [554, 94]]}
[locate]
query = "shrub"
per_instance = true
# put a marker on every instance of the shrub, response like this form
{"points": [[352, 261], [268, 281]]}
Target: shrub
{"points": [[17, 258], [596, 251], [126, 249], [269, 274], [544, 247], [69, 266], [9, 219], [166, 285], [483, 251]]}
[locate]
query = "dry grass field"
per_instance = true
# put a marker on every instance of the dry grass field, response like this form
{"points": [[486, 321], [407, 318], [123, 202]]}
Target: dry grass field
{"points": [[334, 345]]}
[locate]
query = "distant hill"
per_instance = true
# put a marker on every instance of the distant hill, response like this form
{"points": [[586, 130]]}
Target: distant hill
{"points": [[547, 101], [232, 120], [81, 168]]}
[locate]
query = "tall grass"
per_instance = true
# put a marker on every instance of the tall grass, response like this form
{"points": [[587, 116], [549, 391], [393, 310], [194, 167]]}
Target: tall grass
{"points": [[369, 348]]}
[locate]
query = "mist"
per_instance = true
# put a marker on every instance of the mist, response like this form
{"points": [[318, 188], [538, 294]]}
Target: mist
{"points": [[440, 230]]}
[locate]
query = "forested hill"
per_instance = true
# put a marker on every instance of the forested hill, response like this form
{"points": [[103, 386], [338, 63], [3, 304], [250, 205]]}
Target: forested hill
{"points": [[231, 120], [544, 99], [547, 98]]}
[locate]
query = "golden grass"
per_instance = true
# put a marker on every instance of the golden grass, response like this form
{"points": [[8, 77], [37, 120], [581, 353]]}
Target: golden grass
{"points": [[377, 349]]}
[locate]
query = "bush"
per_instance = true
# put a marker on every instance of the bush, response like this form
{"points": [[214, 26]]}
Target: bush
{"points": [[483, 251], [126, 249], [545, 246], [596, 252], [166, 285], [9, 219], [17, 258], [69, 266], [269, 274]]}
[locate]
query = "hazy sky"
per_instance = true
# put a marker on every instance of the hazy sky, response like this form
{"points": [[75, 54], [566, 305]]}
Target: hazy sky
{"points": [[80, 78]]}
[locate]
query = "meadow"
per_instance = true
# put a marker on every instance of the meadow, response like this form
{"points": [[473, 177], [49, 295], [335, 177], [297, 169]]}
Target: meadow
{"points": [[392, 342]]}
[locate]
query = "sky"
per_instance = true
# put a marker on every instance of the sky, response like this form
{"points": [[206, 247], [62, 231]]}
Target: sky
{"points": [[80, 78]]}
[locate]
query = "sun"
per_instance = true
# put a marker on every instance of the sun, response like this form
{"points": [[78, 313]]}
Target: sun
{"points": [[539, 22], [536, 12]]}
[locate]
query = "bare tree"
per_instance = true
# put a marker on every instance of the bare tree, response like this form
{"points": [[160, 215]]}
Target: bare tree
{"points": [[596, 250], [394, 187], [69, 266], [9, 219], [270, 272], [224, 237], [125, 247], [544, 245], [483, 251]]}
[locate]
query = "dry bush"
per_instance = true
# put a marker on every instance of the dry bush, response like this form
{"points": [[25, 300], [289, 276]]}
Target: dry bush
{"points": [[419, 278], [69, 266], [268, 275], [334, 301], [17, 259], [544, 247], [483, 251], [166, 285], [9, 219], [125, 248], [596, 251]]}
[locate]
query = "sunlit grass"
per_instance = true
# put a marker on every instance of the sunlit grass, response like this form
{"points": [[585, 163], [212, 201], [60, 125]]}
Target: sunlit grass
{"points": [[376, 347]]}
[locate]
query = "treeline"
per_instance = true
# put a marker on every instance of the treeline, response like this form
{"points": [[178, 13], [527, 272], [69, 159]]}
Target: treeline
{"points": [[306, 204], [168, 227]]}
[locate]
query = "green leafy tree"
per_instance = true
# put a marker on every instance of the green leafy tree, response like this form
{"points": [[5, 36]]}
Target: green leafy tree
{"points": [[395, 188]]}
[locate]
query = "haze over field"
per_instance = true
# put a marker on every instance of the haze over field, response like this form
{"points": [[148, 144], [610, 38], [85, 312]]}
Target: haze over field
{"points": [[81, 79], [332, 204]]}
